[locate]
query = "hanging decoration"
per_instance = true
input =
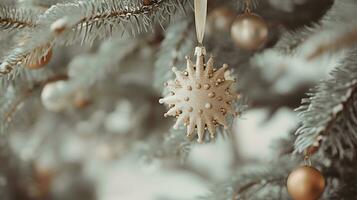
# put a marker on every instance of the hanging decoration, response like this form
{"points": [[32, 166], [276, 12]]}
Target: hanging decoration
{"points": [[220, 20], [306, 182], [201, 96], [249, 31]]}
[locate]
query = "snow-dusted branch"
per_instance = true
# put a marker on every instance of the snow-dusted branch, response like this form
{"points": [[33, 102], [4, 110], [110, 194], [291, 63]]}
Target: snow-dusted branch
{"points": [[338, 29], [101, 20], [6, 99], [86, 21], [335, 31], [173, 145], [331, 111], [176, 45], [85, 70], [269, 182], [12, 18], [346, 40], [266, 182], [12, 99], [42, 4]]}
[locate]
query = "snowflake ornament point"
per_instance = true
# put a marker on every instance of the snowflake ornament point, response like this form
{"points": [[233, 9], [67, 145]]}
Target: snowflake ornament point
{"points": [[200, 96]]}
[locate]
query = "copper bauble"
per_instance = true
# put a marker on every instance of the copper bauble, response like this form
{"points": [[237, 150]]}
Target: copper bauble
{"points": [[249, 31], [43, 177], [220, 19], [146, 2], [38, 64], [81, 100], [305, 183]]}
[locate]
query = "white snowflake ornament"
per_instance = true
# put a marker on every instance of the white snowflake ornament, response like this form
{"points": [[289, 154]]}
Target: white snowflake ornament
{"points": [[200, 97]]}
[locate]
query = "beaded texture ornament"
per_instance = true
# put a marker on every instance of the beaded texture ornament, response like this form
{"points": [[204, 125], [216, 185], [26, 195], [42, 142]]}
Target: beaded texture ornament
{"points": [[201, 97]]}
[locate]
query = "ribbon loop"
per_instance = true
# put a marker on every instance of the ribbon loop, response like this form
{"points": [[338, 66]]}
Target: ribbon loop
{"points": [[200, 19]]}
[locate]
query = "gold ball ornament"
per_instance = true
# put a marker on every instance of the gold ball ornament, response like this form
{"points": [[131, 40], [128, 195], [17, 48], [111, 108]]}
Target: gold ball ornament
{"points": [[200, 97], [146, 2], [38, 64], [249, 31], [305, 183], [220, 19]]}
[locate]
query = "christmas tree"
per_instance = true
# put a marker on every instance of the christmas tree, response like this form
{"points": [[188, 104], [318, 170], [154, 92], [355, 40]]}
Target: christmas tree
{"points": [[264, 94]]}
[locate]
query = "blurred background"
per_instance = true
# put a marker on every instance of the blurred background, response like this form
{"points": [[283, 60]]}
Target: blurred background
{"points": [[87, 123]]}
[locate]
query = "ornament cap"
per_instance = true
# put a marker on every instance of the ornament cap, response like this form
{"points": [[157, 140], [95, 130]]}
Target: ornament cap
{"points": [[200, 51]]}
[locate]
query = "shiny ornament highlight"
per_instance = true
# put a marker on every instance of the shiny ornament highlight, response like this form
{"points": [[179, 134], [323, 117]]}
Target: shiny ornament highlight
{"points": [[305, 183], [249, 31]]}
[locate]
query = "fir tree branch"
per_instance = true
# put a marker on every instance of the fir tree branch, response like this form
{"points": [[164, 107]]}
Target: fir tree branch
{"points": [[260, 183], [20, 57], [337, 25], [16, 105], [340, 29], [269, 182], [291, 41], [176, 144], [177, 44], [344, 41], [43, 4], [342, 189], [7, 98], [331, 111], [85, 22], [12, 18], [86, 70], [13, 99], [173, 145]]}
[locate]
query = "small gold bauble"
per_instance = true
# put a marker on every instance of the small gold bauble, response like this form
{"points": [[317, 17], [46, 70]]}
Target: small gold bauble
{"points": [[81, 101], [249, 31], [305, 183], [43, 177], [220, 19], [146, 2], [44, 60]]}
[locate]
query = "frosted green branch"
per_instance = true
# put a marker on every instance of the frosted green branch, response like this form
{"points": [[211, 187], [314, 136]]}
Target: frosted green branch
{"points": [[173, 145], [14, 19], [331, 111], [7, 97], [86, 21], [176, 45], [259, 183], [85, 70]]}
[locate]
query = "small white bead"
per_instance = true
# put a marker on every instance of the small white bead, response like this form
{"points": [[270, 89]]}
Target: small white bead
{"points": [[208, 105], [206, 86]]}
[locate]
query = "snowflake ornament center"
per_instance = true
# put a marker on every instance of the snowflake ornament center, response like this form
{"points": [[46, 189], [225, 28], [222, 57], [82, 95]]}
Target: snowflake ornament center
{"points": [[200, 97]]}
